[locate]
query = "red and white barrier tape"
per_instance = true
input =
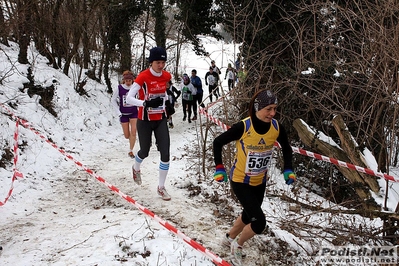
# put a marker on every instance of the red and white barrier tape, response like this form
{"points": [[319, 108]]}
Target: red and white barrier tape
{"points": [[16, 173], [215, 259], [344, 164], [317, 156]]}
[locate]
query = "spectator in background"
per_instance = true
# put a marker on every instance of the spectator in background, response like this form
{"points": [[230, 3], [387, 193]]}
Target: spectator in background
{"points": [[127, 112], [215, 68], [212, 79], [231, 76], [218, 72], [238, 62], [188, 90], [173, 95], [197, 83]]}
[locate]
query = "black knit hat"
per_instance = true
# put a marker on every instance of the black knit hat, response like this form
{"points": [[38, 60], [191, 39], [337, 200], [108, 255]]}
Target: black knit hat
{"points": [[263, 99], [157, 54]]}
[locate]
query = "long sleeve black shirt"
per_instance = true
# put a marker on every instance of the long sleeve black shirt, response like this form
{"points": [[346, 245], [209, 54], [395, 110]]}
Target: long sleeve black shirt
{"points": [[235, 132]]}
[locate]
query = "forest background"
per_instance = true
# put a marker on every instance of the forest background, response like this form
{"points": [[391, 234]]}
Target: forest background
{"points": [[324, 59]]}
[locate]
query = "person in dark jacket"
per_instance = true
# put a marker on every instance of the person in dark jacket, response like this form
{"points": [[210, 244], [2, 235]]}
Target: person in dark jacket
{"points": [[173, 94], [188, 91], [197, 83], [212, 80], [216, 69], [230, 75]]}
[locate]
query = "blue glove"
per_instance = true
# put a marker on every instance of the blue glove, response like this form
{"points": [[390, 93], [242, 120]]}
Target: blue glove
{"points": [[220, 173], [289, 176]]}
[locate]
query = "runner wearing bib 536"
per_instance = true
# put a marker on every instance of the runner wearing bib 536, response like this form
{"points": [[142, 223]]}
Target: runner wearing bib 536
{"points": [[255, 137]]}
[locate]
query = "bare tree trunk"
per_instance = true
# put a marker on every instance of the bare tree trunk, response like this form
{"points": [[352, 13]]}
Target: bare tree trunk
{"points": [[179, 44], [24, 14], [147, 19], [126, 52], [55, 35], [352, 150], [85, 38], [308, 137], [160, 18], [3, 29], [106, 73]]}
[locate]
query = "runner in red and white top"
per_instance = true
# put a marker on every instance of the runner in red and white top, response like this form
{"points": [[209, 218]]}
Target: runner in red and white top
{"points": [[148, 92]]}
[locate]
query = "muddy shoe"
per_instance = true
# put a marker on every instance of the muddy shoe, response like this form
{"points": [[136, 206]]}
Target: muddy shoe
{"points": [[137, 176], [226, 242], [236, 251], [162, 192], [131, 155]]}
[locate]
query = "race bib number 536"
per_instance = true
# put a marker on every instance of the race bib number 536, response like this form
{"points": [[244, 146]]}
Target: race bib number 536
{"points": [[257, 162]]}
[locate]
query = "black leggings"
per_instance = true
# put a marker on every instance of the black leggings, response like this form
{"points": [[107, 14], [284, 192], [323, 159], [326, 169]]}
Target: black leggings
{"points": [[251, 198], [187, 105], [161, 132], [198, 99], [230, 84], [211, 88]]}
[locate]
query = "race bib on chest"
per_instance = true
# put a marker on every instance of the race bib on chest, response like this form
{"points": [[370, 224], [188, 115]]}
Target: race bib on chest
{"points": [[159, 109], [186, 96], [211, 80], [124, 103], [257, 162]]}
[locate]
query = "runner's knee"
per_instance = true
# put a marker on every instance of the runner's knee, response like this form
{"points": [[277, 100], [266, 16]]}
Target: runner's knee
{"points": [[258, 225]]}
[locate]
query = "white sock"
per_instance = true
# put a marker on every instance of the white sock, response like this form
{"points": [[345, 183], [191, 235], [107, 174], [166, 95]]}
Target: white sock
{"points": [[163, 172], [235, 243], [229, 238], [137, 163]]}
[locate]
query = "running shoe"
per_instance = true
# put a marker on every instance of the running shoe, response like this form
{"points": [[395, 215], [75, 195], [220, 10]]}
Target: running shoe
{"points": [[227, 241], [137, 176], [236, 251], [163, 193]]}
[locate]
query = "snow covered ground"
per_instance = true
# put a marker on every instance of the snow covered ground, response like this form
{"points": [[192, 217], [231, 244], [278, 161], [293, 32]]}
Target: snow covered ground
{"points": [[82, 207]]}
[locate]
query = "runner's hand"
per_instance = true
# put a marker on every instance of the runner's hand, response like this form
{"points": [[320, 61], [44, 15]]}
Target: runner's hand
{"points": [[289, 176], [220, 174], [154, 103]]}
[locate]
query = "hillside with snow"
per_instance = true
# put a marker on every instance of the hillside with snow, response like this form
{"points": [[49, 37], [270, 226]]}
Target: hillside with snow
{"points": [[75, 202]]}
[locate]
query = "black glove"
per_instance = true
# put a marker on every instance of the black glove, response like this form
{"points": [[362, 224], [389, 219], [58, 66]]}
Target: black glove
{"points": [[154, 103]]}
